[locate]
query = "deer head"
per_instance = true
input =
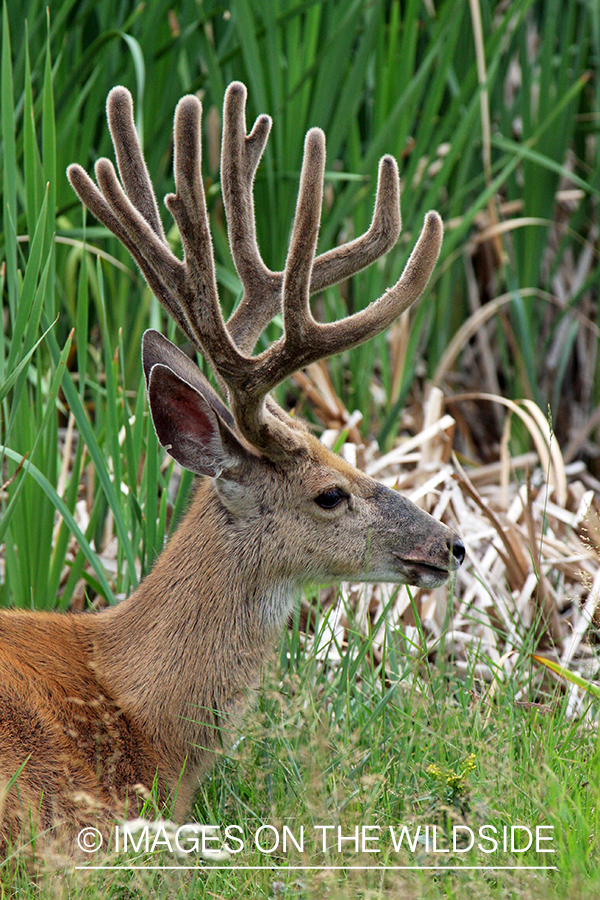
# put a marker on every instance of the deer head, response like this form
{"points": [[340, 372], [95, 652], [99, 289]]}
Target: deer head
{"points": [[327, 519]]}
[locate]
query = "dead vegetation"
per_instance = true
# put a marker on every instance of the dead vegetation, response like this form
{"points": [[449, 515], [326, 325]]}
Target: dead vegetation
{"points": [[531, 526]]}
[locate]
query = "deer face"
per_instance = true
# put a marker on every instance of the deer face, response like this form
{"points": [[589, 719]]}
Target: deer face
{"points": [[316, 516], [326, 520]]}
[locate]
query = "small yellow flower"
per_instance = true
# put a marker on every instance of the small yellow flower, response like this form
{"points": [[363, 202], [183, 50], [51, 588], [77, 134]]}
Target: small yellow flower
{"points": [[470, 762], [455, 783]]}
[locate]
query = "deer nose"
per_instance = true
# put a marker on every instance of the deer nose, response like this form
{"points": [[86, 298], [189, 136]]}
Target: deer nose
{"points": [[457, 551]]}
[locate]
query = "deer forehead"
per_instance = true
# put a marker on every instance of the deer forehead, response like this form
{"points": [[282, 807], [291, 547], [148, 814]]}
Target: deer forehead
{"points": [[323, 470]]}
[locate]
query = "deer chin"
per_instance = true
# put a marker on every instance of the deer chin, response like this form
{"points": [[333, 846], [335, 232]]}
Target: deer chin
{"points": [[420, 574], [404, 571]]}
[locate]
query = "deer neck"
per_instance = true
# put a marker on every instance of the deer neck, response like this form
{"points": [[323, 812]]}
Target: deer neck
{"points": [[181, 654]]}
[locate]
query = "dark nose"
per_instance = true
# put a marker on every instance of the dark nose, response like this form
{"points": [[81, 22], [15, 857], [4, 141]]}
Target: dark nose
{"points": [[457, 551]]}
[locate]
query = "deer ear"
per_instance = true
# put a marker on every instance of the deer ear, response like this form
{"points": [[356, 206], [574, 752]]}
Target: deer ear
{"points": [[189, 428], [156, 348]]}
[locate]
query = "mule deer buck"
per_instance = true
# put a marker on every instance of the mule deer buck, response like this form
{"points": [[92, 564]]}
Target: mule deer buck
{"points": [[94, 705]]}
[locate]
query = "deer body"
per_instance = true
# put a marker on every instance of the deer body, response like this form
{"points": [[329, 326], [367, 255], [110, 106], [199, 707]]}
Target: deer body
{"points": [[94, 705]]}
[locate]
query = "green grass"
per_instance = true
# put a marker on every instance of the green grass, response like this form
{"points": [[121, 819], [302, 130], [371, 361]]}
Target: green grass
{"points": [[328, 748], [339, 745]]}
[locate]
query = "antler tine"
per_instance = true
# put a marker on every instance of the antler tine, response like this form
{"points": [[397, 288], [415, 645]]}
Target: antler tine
{"points": [[303, 243], [262, 298], [349, 258], [130, 159], [200, 297], [329, 339], [156, 254], [240, 156], [305, 341], [248, 394]]}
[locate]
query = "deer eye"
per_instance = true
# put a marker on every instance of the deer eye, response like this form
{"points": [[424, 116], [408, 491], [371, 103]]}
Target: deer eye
{"points": [[331, 499]]}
